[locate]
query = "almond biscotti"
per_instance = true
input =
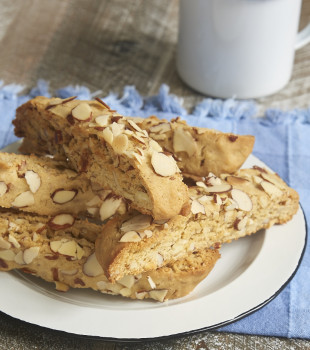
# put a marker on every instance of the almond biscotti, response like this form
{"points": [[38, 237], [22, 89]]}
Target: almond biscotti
{"points": [[112, 151], [222, 209], [66, 257], [46, 186], [199, 151]]}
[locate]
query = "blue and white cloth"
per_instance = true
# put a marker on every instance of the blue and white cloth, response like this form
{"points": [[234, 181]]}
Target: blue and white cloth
{"points": [[282, 142]]}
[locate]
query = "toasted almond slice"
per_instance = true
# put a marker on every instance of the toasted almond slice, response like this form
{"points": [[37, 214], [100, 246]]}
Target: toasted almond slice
{"points": [[61, 287], [197, 207], [273, 179], [3, 188], [102, 120], [71, 272], [158, 294], [30, 254], [92, 268], [33, 180], [107, 135], [242, 199], [8, 255], [109, 207], [224, 187], [137, 223], [55, 245], [134, 125], [23, 200], [19, 258], [116, 129], [184, 142], [151, 282], [68, 248], [160, 128], [120, 143], [271, 189], [82, 112], [130, 236], [14, 241], [94, 201], [127, 281], [160, 260], [141, 295], [112, 288], [61, 221], [4, 244], [63, 196], [155, 146], [163, 165]]}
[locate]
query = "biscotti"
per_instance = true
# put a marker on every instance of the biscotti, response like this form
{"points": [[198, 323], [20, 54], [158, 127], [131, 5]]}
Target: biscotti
{"points": [[66, 257], [110, 149], [46, 186], [222, 209], [199, 151]]}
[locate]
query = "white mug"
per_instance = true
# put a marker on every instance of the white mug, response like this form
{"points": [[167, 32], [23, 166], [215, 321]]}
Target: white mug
{"points": [[238, 48]]}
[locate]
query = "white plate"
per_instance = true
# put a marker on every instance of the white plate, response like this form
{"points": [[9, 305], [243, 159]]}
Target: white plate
{"points": [[250, 273]]}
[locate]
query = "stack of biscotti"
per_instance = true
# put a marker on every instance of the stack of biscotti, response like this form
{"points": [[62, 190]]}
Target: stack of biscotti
{"points": [[166, 227], [44, 186]]}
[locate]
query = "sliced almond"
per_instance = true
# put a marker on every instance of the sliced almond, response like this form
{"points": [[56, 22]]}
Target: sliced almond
{"points": [[82, 112], [240, 223], [109, 207], [92, 268], [68, 248], [3, 188], [93, 211], [236, 180], [130, 236], [55, 245], [61, 196], [184, 142], [107, 135], [112, 288], [158, 294], [160, 260], [30, 254], [163, 164], [125, 292], [102, 120], [141, 295], [116, 129], [242, 199], [134, 125], [197, 207], [14, 241], [33, 180], [137, 223], [8, 255], [71, 272], [61, 287], [151, 282], [160, 128], [273, 179], [127, 281], [61, 221], [224, 187], [94, 201], [271, 189], [120, 143], [155, 146], [23, 200], [19, 258], [4, 244]]}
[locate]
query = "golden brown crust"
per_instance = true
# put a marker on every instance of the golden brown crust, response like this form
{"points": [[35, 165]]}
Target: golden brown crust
{"points": [[199, 151], [66, 258], [110, 150], [256, 200]]}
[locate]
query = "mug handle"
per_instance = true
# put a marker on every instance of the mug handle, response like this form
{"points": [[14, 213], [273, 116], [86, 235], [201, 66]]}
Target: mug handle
{"points": [[303, 37]]}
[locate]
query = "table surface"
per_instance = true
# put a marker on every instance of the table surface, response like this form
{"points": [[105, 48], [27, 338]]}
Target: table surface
{"points": [[106, 45]]}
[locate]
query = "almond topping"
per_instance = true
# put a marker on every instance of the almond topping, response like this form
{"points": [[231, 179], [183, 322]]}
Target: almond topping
{"points": [[23, 200], [30, 254], [94, 201], [92, 268], [134, 125], [107, 135], [163, 165], [160, 128], [120, 143], [19, 258], [33, 180], [102, 120], [8, 255], [137, 223], [127, 281], [151, 282], [242, 199], [197, 207], [69, 272], [109, 207], [224, 187], [3, 188], [63, 196], [271, 189], [14, 241], [82, 112], [184, 142], [141, 295], [4, 244], [61, 221], [130, 236], [158, 294]]}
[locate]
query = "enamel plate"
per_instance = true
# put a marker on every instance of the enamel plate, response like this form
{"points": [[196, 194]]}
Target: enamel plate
{"points": [[250, 273]]}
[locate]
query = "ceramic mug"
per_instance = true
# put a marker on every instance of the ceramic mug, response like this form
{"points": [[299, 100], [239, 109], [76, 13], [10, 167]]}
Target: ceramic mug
{"points": [[238, 48]]}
